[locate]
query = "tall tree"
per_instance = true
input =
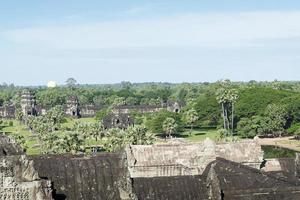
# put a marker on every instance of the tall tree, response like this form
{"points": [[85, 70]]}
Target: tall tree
{"points": [[191, 117], [227, 97], [71, 82], [169, 126]]}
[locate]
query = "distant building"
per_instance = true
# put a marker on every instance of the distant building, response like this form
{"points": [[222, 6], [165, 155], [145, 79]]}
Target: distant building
{"points": [[121, 121], [72, 107], [28, 103], [118, 118]]}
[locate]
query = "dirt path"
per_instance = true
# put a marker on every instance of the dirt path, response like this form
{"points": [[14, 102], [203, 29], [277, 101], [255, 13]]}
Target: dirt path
{"points": [[285, 142]]}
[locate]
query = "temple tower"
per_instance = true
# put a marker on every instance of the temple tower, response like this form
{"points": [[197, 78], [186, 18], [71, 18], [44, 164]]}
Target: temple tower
{"points": [[28, 103], [73, 107]]}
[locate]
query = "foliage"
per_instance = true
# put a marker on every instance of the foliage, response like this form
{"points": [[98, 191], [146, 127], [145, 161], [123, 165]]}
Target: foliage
{"points": [[169, 126], [191, 117], [223, 133], [263, 108], [55, 143], [71, 82], [89, 130], [20, 140], [154, 121], [271, 124], [102, 113], [139, 135], [277, 152], [253, 101], [116, 139], [207, 108], [294, 129], [19, 114], [227, 96], [274, 120], [55, 115], [250, 127]]}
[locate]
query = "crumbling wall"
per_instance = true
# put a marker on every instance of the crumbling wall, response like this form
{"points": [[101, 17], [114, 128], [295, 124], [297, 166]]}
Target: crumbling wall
{"points": [[188, 158], [9, 147], [19, 180]]}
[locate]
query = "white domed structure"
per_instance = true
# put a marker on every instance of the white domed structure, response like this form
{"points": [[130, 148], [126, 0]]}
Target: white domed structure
{"points": [[52, 84]]}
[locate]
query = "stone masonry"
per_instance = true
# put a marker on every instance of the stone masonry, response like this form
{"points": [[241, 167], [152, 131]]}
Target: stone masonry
{"points": [[188, 159], [18, 178]]}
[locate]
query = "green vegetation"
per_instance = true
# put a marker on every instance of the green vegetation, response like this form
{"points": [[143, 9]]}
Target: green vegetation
{"points": [[199, 135], [218, 110], [277, 152]]}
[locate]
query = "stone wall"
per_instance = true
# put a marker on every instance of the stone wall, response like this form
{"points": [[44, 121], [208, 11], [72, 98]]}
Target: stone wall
{"points": [[188, 159], [247, 152], [19, 180], [297, 165], [91, 178]]}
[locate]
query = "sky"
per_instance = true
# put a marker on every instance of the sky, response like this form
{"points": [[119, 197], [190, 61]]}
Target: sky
{"points": [[100, 41]]}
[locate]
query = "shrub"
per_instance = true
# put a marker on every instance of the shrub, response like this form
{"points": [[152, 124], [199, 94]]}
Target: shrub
{"points": [[293, 129], [250, 127], [223, 133]]}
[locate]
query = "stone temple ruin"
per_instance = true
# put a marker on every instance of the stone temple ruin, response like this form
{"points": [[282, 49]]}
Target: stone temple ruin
{"points": [[119, 117], [206, 171], [18, 178]]}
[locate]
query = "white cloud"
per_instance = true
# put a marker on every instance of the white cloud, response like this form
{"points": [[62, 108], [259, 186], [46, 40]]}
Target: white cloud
{"points": [[200, 30]]}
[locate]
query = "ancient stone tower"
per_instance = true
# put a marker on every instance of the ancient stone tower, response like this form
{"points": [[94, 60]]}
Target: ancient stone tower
{"points": [[28, 103], [73, 107]]}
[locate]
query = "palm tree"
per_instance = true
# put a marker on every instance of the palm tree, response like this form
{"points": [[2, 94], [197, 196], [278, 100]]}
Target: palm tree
{"points": [[227, 97], [139, 135], [19, 114], [169, 126], [96, 130], [191, 117]]}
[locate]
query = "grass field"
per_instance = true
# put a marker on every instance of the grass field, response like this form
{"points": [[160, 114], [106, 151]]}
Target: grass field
{"points": [[200, 135], [197, 135]]}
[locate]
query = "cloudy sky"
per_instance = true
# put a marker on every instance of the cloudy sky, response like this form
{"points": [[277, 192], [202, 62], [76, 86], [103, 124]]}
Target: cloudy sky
{"points": [[100, 41]]}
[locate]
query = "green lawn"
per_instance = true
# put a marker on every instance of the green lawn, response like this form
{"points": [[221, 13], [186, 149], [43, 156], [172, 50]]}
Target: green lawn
{"points": [[200, 135], [70, 121], [197, 135], [31, 141]]}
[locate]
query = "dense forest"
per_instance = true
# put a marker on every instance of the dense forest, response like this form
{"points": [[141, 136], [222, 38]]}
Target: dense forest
{"points": [[244, 109]]}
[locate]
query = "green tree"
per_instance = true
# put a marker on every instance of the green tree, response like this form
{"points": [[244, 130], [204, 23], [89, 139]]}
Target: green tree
{"points": [[274, 120], [96, 130], [19, 114], [20, 140], [55, 115], [102, 113], [169, 126], [227, 97], [154, 121], [71, 82], [191, 117], [138, 135], [250, 127], [114, 140]]}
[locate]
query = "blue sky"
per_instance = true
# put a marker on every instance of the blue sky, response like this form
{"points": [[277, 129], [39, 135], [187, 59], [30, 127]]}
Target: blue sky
{"points": [[97, 41]]}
